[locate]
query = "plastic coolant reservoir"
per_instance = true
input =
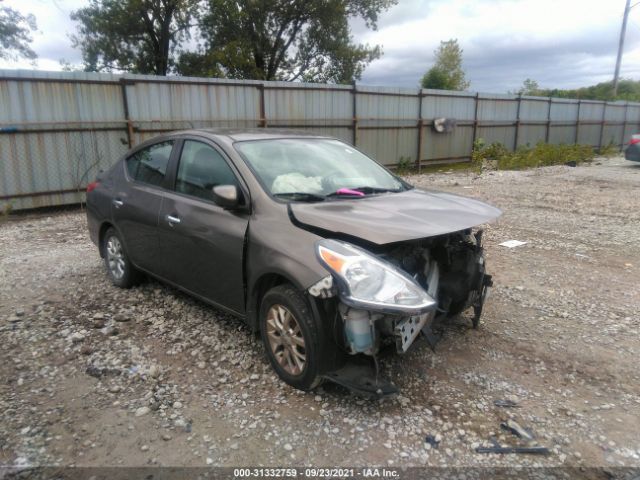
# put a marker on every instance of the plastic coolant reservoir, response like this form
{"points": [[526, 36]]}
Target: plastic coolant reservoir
{"points": [[358, 330]]}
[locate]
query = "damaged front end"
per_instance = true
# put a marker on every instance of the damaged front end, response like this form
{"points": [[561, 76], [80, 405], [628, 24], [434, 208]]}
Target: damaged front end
{"points": [[392, 297]]}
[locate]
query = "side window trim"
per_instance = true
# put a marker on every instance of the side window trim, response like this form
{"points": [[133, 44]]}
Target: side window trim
{"points": [[163, 185], [220, 151], [172, 168]]}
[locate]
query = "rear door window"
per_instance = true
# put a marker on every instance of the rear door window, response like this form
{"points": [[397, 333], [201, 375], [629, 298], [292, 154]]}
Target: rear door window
{"points": [[149, 165], [200, 169]]}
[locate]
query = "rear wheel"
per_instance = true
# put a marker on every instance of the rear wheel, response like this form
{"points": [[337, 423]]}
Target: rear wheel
{"points": [[120, 270], [290, 337]]}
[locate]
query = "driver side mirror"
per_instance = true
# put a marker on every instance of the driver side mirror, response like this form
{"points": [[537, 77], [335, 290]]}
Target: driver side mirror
{"points": [[227, 196]]}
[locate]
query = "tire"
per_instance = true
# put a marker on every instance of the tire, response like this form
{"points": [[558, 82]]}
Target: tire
{"points": [[119, 268], [277, 304]]}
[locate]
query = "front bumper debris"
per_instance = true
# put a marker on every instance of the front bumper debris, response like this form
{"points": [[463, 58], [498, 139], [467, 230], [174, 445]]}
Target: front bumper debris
{"points": [[323, 288], [408, 329], [362, 380]]}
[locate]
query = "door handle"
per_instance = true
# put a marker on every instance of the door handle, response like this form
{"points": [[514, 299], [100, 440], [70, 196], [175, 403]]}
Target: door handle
{"points": [[117, 203], [172, 220]]}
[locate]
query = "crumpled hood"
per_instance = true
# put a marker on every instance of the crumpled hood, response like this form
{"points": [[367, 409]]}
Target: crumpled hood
{"points": [[395, 217]]}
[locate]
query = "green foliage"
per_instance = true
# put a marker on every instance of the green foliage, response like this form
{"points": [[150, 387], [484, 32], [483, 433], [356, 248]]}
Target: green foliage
{"points": [[307, 40], [482, 152], [404, 165], [543, 154], [15, 34], [435, 78], [5, 211], [627, 90], [446, 167], [139, 36], [193, 64], [609, 150], [531, 88], [447, 72]]}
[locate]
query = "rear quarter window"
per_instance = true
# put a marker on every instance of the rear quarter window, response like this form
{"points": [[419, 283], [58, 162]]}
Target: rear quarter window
{"points": [[149, 165]]}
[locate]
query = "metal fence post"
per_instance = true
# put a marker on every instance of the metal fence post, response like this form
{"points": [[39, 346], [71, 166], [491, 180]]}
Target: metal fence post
{"points": [[420, 131], [624, 125], [577, 137], [517, 134], [354, 94], [475, 123], [604, 116], [263, 114], [125, 105], [546, 137]]}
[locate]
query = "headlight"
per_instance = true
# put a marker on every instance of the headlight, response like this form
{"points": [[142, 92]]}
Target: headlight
{"points": [[365, 281]]}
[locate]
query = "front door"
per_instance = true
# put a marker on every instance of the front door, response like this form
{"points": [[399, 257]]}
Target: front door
{"points": [[202, 243]]}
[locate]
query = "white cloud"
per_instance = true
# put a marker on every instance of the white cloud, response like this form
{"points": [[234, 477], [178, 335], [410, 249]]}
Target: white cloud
{"points": [[51, 40], [562, 43]]}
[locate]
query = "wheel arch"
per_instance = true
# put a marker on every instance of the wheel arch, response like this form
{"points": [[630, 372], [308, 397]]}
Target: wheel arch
{"points": [[260, 287], [106, 225]]}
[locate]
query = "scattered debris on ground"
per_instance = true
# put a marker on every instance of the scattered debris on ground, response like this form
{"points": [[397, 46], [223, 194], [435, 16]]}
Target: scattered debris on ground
{"points": [[512, 243]]}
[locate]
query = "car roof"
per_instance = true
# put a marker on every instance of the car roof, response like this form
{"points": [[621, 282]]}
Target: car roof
{"points": [[244, 134]]}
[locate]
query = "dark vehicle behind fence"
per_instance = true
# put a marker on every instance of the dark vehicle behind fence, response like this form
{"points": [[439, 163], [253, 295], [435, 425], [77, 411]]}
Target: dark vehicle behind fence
{"points": [[325, 253]]}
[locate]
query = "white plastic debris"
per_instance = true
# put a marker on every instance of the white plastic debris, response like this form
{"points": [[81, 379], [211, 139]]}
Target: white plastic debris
{"points": [[512, 243]]}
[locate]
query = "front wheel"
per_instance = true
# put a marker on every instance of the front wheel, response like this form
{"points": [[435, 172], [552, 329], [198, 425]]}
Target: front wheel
{"points": [[290, 337]]}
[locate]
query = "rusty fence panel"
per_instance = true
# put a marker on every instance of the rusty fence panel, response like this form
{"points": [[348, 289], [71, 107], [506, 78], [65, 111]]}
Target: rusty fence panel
{"points": [[58, 129]]}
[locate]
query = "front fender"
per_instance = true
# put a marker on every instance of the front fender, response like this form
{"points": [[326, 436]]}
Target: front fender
{"points": [[278, 248]]}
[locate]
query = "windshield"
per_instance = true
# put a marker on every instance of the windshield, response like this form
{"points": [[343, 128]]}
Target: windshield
{"points": [[313, 169]]}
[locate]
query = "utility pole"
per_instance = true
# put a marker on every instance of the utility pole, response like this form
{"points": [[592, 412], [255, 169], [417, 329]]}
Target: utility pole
{"points": [[623, 30]]}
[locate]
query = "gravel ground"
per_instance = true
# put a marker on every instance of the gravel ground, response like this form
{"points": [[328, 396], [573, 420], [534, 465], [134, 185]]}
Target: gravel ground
{"points": [[94, 376]]}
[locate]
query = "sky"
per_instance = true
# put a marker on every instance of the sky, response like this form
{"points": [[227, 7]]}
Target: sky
{"points": [[559, 43]]}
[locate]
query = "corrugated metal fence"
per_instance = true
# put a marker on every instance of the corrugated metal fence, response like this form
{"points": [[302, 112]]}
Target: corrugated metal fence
{"points": [[57, 129]]}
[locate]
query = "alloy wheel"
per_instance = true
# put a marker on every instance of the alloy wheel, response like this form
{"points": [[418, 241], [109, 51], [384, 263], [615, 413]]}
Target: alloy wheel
{"points": [[286, 340], [115, 257]]}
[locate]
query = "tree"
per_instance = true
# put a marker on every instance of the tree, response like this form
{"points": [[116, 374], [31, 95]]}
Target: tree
{"points": [[290, 40], [139, 36], [435, 78], [447, 72], [530, 87], [15, 34], [627, 90]]}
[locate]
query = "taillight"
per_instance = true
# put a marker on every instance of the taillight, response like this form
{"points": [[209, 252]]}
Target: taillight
{"points": [[92, 186], [634, 140]]}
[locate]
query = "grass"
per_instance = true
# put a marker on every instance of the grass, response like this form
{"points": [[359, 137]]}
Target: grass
{"points": [[5, 210], [541, 155], [447, 167], [610, 150], [435, 168]]}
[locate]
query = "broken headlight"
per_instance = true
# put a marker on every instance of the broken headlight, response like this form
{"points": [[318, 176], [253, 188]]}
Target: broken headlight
{"points": [[366, 282]]}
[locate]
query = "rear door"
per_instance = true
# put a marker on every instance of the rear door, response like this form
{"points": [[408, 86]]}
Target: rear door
{"points": [[137, 200], [202, 244]]}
